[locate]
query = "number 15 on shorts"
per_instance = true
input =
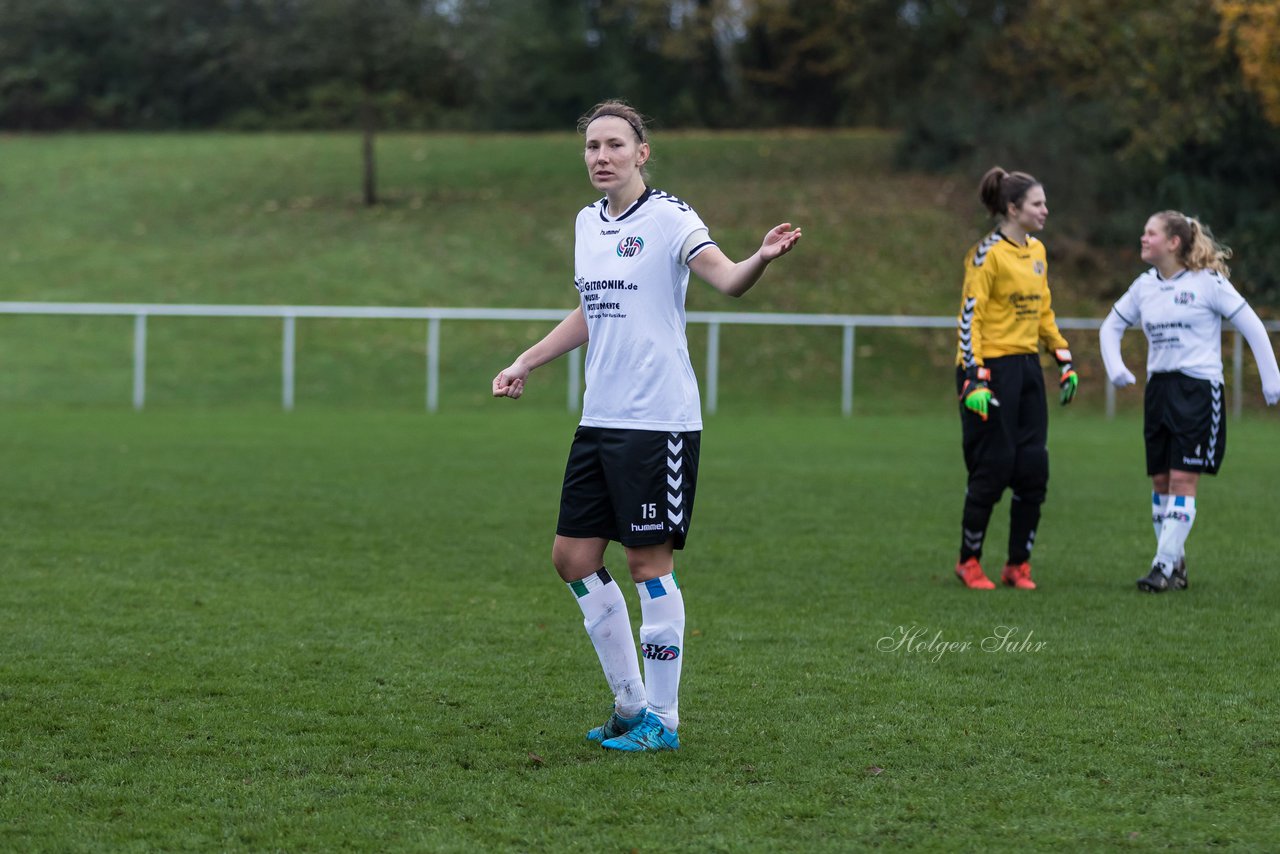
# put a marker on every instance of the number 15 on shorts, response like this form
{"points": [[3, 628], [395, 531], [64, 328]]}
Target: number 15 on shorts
{"points": [[648, 511]]}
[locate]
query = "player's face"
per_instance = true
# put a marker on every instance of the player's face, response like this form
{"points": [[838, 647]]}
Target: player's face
{"points": [[1033, 211], [1157, 245], [613, 154]]}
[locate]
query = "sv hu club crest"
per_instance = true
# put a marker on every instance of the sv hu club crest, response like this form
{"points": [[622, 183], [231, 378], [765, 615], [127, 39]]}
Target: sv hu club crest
{"points": [[660, 652], [629, 247]]}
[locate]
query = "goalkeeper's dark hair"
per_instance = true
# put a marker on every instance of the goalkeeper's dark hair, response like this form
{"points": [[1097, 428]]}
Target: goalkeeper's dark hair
{"points": [[999, 189], [1198, 249]]}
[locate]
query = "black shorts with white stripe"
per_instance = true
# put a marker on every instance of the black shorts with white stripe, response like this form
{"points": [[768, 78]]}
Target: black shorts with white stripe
{"points": [[1184, 424], [632, 486]]}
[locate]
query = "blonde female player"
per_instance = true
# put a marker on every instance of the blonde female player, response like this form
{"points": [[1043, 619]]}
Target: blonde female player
{"points": [[633, 465], [1180, 303]]}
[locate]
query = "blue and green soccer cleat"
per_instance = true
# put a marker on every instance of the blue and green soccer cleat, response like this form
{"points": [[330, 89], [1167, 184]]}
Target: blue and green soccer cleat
{"points": [[649, 734], [615, 727]]}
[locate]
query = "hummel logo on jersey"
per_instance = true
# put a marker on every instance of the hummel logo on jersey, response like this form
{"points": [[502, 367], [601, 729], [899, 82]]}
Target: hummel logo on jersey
{"points": [[605, 232], [659, 652], [629, 247]]}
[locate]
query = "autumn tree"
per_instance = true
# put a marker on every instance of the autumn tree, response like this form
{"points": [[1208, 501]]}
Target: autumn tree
{"points": [[1252, 30], [1122, 109]]}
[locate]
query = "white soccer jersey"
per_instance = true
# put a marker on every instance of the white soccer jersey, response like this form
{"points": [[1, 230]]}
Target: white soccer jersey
{"points": [[632, 273], [1182, 317]]}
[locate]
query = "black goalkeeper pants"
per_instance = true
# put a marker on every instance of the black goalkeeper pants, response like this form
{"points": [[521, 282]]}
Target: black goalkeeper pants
{"points": [[1007, 451]]}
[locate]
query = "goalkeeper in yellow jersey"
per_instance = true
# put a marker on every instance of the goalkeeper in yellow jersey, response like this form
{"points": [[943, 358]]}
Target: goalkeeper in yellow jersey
{"points": [[1004, 315]]}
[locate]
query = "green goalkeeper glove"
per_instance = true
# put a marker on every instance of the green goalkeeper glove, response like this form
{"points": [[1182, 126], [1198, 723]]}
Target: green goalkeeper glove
{"points": [[975, 392], [1069, 379]]}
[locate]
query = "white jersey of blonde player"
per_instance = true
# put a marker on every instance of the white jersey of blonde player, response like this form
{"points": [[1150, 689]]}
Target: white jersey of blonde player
{"points": [[632, 274], [1182, 318]]}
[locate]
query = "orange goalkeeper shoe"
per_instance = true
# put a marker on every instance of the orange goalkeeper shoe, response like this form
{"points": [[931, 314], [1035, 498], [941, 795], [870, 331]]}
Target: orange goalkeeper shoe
{"points": [[971, 575], [1018, 575]]}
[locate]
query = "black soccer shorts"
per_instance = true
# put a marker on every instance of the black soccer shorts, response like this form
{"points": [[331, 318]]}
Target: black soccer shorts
{"points": [[1184, 424], [632, 486]]}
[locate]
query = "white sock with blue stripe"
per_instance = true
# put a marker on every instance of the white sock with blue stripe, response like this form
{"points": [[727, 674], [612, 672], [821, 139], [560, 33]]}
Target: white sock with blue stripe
{"points": [[1159, 507], [604, 615], [662, 645], [1177, 523]]}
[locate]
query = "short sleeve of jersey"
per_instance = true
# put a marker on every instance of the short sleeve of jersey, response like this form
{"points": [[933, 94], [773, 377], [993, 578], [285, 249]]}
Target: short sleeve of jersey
{"points": [[680, 225], [695, 243]]}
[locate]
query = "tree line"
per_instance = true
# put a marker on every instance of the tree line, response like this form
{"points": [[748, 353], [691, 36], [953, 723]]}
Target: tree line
{"points": [[1122, 107]]}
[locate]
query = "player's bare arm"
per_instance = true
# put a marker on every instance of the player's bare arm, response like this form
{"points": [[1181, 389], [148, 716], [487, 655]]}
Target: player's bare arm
{"points": [[568, 334], [735, 279]]}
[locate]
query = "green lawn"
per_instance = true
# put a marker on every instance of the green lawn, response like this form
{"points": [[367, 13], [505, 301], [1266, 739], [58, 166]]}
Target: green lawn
{"points": [[340, 630], [226, 628]]}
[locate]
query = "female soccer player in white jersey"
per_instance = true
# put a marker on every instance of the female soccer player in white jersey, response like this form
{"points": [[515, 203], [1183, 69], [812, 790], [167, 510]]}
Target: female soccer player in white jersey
{"points": [[1180, 303], [1005, 314], [633, 466]]}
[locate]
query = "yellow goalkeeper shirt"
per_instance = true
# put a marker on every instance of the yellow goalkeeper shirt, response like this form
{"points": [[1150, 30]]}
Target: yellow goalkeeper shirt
{"points": [[1005, 308]]}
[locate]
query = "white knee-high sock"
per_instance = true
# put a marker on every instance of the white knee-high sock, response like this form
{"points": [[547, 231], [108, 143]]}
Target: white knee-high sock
{"points": [[662, 644], [1159, 507], [604, 615], [1178, 520]]}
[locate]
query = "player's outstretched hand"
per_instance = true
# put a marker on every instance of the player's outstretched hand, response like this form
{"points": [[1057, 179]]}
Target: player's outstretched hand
{"points": [[779, 241], [1272, 395], [510, 382]]}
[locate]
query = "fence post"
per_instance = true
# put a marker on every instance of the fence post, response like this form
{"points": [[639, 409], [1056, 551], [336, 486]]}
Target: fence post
{"points": [[846, 373], [1237, 374], [1110, 395], [139, 361], [713, 365], [575, 379], [286, 364], [433, 364]]}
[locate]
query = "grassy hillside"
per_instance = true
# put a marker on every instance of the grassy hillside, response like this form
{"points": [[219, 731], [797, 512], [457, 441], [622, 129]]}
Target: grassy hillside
{"points": [[467, 221]]}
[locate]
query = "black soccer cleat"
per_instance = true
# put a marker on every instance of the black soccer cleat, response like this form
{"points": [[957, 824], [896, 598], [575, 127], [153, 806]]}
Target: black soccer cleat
{"points": [[1155, 581], [1178, 581]]}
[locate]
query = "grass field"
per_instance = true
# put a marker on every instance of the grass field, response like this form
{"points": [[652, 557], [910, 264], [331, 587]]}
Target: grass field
{"points": [[226, 628], [340, 631]]}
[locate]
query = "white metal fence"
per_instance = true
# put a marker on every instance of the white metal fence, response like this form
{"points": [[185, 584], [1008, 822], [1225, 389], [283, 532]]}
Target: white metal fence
{"points": [[713, 320]]}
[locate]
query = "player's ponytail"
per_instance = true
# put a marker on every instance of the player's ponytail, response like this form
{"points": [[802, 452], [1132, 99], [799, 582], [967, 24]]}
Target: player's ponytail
{"points": [[1197, 247], [999, 189]]}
